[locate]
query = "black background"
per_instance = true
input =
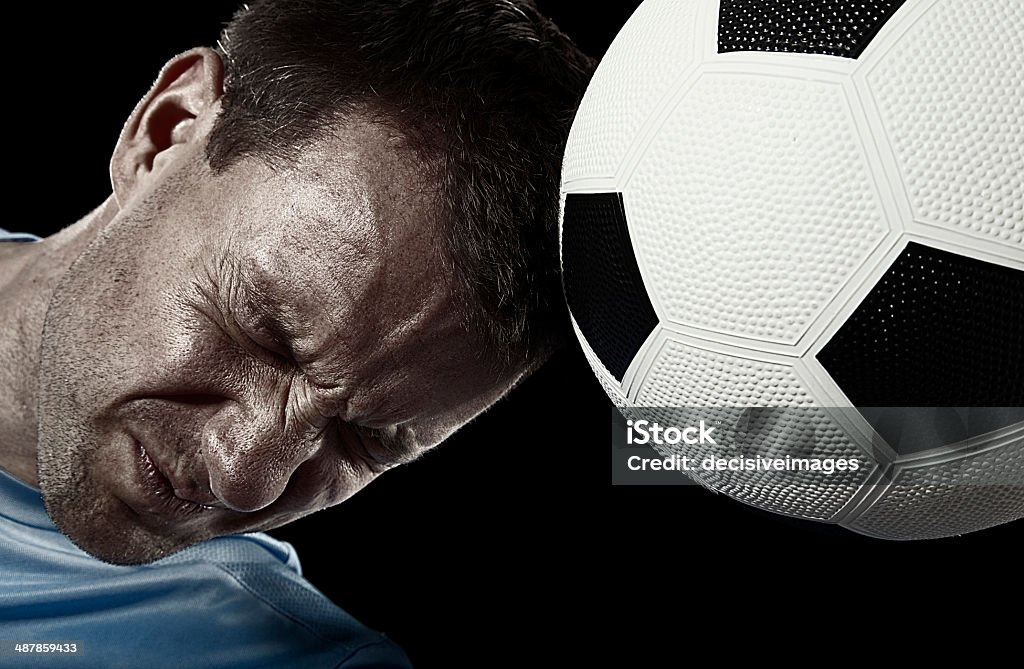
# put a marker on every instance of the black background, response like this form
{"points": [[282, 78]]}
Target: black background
{"points": [[508, 539]]}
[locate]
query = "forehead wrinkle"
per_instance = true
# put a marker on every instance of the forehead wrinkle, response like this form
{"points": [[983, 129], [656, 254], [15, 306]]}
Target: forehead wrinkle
{"points": [[387, 342], [360, 319]]}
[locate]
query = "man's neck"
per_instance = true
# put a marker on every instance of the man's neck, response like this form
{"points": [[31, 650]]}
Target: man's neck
{"points": [[29, 273]]}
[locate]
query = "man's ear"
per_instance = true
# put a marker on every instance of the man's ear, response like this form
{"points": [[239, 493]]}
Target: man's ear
{"points": [[188, 86]]}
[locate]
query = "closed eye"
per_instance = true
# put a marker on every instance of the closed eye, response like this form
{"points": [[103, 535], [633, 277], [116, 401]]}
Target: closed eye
{"points": [[390, 446], [358, 445], [269, 343], [263, 346]]}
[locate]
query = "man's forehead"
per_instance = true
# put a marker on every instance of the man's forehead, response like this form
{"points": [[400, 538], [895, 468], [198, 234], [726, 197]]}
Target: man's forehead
{"points": [[351, 200], [359, 179]]}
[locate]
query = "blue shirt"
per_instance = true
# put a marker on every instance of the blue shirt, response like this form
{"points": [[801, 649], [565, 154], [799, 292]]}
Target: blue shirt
{"points": [[17, 236], [234, 601]]}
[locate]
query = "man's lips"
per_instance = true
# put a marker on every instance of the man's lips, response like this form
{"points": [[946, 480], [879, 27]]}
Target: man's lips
{"points": [[160, 490], [190, 489]]}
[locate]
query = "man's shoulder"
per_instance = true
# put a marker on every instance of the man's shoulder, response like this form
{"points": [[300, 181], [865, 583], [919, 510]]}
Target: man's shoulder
{"points": [[262, 576], [6, 236], [233, 601]]}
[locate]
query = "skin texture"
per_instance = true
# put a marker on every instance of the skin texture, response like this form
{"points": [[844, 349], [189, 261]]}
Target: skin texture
{"points": [[209, 354]]}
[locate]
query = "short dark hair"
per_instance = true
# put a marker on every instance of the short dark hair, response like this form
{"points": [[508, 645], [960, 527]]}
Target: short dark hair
{"points": [[484, 90]]}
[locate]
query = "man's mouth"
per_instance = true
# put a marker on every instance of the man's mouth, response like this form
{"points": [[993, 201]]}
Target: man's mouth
{"points": [[158, 490]]}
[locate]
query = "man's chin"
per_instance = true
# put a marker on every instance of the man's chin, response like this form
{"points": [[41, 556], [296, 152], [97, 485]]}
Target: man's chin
{"points": [[117, 541]]}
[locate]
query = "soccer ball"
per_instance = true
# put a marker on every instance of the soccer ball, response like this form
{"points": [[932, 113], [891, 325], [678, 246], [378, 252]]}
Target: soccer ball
{"points": [[799, 220]]}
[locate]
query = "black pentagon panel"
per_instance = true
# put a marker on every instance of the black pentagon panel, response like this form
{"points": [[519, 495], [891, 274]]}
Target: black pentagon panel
{"points": [[938, 330], [840, 28], [603, 287]]}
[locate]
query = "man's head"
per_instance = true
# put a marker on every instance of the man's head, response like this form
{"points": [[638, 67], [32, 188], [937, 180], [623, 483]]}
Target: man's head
{"points": [[335, 243]]}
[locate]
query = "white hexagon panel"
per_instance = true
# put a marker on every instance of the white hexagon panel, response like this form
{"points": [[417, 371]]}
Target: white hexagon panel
{"points": [[754, 205], [947, 88]]}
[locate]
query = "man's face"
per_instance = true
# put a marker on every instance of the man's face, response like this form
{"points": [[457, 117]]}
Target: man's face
{"points": [[237, 350]]}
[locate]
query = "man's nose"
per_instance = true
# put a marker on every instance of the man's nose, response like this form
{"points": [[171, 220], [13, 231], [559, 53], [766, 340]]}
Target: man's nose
{"points": [[251, 455]]}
